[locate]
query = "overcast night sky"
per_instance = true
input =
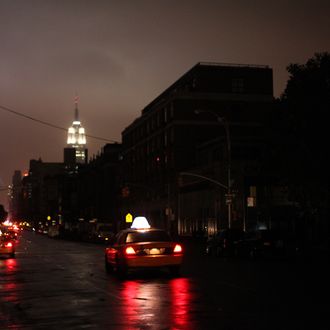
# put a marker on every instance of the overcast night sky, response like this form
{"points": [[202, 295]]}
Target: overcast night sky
{"points": [[119, 55]]}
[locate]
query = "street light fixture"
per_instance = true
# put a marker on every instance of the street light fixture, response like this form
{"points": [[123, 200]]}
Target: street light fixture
{"points": [[224, 122]]}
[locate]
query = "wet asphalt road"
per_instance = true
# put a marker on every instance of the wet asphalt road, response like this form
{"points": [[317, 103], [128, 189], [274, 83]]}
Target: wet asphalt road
{"points": [[57, 284]]}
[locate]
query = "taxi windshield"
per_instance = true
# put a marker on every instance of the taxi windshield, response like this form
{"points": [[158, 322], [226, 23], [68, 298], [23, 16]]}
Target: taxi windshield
{"points": [[147, 236]]}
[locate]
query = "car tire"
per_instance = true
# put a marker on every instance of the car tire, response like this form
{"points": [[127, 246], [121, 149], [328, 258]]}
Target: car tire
{"points": [[174, 271], [253, 254], [121, 269], [12, 255], [218, 251], [107, 265]]}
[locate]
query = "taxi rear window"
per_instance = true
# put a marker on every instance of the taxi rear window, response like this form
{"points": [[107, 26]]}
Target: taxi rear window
{"points": [[147, 236]]}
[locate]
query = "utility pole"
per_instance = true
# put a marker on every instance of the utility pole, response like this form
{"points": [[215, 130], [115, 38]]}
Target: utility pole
{"points": [[229, 196]]}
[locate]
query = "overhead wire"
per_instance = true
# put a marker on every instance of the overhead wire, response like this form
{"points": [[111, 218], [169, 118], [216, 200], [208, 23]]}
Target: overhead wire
{"points": [[50, 124]]}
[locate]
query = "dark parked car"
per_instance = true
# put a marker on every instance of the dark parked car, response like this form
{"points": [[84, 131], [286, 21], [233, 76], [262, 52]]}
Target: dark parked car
{"points": [[224, 242], [262, 243], [7, 246]]}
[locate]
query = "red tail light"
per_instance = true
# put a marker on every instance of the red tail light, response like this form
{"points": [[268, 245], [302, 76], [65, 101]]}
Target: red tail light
{"points": [[177, 248], [225, 243], [129, 250], [9, 244]]}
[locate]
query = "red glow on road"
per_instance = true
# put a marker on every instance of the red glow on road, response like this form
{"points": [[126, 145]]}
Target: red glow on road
{"points": [[181, 300], [154, 304], [10, 287], [131, 309]]}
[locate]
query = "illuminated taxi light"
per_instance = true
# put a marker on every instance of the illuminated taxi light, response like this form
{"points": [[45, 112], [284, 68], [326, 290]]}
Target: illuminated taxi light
{"points": [[177, 248], [9, 245], [129, 250], [140, 223]]}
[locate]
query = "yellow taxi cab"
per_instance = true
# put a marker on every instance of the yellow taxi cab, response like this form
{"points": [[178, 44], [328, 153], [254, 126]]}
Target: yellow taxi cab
{"points": [[143, 247]]}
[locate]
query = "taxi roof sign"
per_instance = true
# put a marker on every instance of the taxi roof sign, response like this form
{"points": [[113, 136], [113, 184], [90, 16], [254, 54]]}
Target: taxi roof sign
{"points": [[140, 223]]}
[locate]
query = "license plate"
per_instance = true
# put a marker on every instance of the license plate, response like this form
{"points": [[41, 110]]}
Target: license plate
{"points": [[154, 251]]}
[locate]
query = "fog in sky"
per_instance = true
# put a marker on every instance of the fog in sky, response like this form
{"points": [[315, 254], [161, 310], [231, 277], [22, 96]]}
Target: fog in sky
{"points": [[120, 55]]}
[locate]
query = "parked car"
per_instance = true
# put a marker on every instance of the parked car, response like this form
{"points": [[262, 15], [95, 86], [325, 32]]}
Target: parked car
{"points": [[7, 246], [104, 233], [10, 233], [224, 242], [262, 244]]}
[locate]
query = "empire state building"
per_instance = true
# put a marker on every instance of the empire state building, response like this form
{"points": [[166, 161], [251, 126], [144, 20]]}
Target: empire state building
{"points": [[76, 152]]}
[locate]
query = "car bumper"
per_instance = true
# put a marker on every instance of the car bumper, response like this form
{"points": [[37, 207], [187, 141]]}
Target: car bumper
{"points": [[6, 251], [153, 261]]}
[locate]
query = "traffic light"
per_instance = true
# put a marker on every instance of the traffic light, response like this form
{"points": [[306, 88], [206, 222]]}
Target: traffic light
{"points": [[125, 192]]}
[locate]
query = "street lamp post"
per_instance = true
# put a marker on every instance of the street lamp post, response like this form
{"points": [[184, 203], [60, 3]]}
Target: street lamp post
{"points": [[224, 122]]}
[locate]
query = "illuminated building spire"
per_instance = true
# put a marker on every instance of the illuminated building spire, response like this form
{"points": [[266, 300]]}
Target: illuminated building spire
{"points": [[76, 135], [76, 112]]}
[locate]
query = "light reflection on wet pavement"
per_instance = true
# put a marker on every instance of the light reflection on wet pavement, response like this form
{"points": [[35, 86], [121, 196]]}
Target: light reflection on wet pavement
{"points": [[165, 303], [55, 284], [67, 288]]}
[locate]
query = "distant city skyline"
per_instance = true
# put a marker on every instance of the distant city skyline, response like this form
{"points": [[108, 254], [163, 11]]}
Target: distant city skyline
{"points": [[119, 56]]}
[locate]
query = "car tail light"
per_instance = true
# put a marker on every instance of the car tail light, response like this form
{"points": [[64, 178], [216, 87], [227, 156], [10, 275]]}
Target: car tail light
{"points": [[177, 248], [225, 243], [129, 250], [9, 244]]}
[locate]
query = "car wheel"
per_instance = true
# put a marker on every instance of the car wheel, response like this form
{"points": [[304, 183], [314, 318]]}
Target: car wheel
{"points": [[121, 269], [174, 270], [107, 265], [218, 251], [252, 254]]}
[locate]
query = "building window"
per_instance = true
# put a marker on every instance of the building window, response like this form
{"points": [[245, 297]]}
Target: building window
{"points": [[165, 139], [171, 111], [172, 135], [237, 85], [165, 115]]}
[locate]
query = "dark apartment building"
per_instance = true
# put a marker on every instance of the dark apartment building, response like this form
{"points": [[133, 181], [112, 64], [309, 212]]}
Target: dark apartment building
{"points": [[99, 188], [185, 129], [15, 196], [41, 192]]}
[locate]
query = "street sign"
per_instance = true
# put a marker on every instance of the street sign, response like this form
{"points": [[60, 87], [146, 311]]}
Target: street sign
{"points": [[129, 217], [229, 201], [229, 198], [125, 192]]}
